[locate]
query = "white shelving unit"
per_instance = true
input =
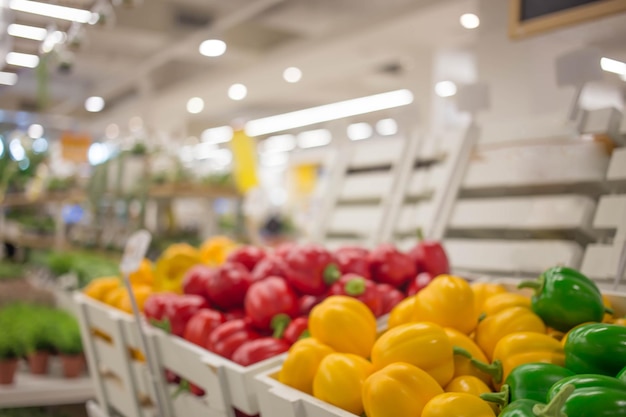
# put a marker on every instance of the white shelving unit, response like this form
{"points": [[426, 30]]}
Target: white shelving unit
{"points": [[38, 391]]}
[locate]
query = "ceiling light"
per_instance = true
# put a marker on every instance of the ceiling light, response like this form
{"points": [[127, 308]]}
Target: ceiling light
{"points": [[237, 92], [94, 104], [275, 159], [195, 105], [51, 10], [469, 21], [98, 153], [35, 131], [445, 89], [135, 124], [314, 138], [17, 150], [40, 145], [27, 32], [204, 150], [279, 143], [8, 78], [217, 135], [22, 60], [213, 47], [292, 75], [112, 131], [614, 66], [329, 112], [359, 131], [387, 127]]}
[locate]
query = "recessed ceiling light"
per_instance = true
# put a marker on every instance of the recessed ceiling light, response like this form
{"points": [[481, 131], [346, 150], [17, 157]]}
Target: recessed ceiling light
{"points": [[359, 131], [469, 21], [8, 78], [35, 131], [387, 127], [195, 105], [94, 104], [445, 89], [212, 47], [292, 74], [314, 138], [237, 92], [112, 131], [22, 60], [27, 32]]}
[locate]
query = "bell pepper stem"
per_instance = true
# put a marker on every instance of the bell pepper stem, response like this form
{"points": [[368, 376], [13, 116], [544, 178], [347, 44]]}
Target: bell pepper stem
{"points": [[331, 274], [482, 317], [164, 325], [501, 398], [279, 325], [609, 310], [305, 335], [355, 287], [494, 369], [419, 233], [535, 285], [622, 375], [183, 386], [553, 408], [462, 352]]}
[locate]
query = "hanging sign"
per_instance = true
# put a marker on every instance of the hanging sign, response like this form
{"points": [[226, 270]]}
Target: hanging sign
{"points": [[244, 160], [75, 146]]}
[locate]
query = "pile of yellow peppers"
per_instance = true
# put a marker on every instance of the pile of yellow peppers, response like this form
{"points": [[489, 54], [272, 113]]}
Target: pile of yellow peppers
{"points": [[443, 347]]}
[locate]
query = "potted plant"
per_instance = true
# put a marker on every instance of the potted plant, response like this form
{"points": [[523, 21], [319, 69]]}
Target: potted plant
{"points": [[68, 344], [37, 340], [10, 351]]}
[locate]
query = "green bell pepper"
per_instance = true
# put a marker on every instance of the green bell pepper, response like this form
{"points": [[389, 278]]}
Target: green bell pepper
{"points": [[596, 348], [565, 298], [596, 402], [530, 381], [532, 408], [587, 381]]}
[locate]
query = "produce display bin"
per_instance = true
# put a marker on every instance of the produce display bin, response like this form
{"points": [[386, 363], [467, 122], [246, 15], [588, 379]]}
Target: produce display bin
{"points": [[279, 400]]}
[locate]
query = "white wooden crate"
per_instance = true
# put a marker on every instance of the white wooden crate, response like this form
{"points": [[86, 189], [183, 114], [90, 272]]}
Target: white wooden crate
{"points": [[123, 381]]}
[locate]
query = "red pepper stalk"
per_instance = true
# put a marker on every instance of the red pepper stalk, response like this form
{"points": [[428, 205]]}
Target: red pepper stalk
{"points": [[358, 287]]}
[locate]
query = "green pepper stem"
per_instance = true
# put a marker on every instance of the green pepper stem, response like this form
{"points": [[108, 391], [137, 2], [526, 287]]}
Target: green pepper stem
{"points": [[305, 335], [494, 369], [419, 233], [535, 285], [331, 274], [554, 407], [609, 310], [279, 325], [501, 398], [355, 287], [482, 317], [457, 350], [163, 325], [183, 386]]}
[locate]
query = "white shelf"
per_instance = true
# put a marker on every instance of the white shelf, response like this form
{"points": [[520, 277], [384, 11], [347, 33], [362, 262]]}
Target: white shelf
{"points": [[33, 391]]}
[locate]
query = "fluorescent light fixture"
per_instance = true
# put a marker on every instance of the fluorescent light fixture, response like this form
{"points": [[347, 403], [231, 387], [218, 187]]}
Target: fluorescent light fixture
{"points": [[195, 105], [222, 157], [27, 32], [51, 10], [52, 40], [314, 138], [292, 74], [8, 78], [94, 104], [469, 21], [135, 124], [22, 60], [237, 92], [217, 135], [212, 48], [186, 153], [614, 66], [445, 89], [204, 150], [17, 150], [279, 143], [329, 112], [112, 131], [387, 127], [275, 159], [35, 131], [40, 145], [359, 131]]}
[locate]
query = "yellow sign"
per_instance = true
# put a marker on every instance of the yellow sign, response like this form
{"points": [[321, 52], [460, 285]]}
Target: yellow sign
{"points": [[305, 178], [75, 146], [244, 161]]}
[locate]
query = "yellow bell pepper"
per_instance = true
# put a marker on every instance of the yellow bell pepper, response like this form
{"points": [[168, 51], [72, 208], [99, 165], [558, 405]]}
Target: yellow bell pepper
{"points": [[469, 384], [141, 292], [144, 275], [510, 320], [458, 405], [447, 301], [344, 324], [302, 362], [339, 380], [99, 288], [115, 296], [608, 317], [398, 389], [620, 322], [500, 302], [462, 364], [402, 313], [172, 265], [215, 250], [482, 292], [424, 345], [520, 348]]}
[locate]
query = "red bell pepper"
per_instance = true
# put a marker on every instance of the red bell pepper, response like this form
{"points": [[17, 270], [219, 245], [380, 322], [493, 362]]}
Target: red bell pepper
{"points": [[248, 256], [196, 281], [390, 297], [283, 249], [268, 298], [180, 310], [360, 288], [270, 266], [227, 337], [200, 326], [418, 283], [171, 377], [260, 349], [296, 329], [311, 269], [307, 302], [228, 284], [430, 256], [154, 307], [353, 260], [234, 314], [390, 266]]}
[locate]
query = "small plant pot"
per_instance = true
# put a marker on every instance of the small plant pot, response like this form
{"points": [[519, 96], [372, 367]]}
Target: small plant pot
{"points": [[73, 365], [8, 367], [38, 363]]}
